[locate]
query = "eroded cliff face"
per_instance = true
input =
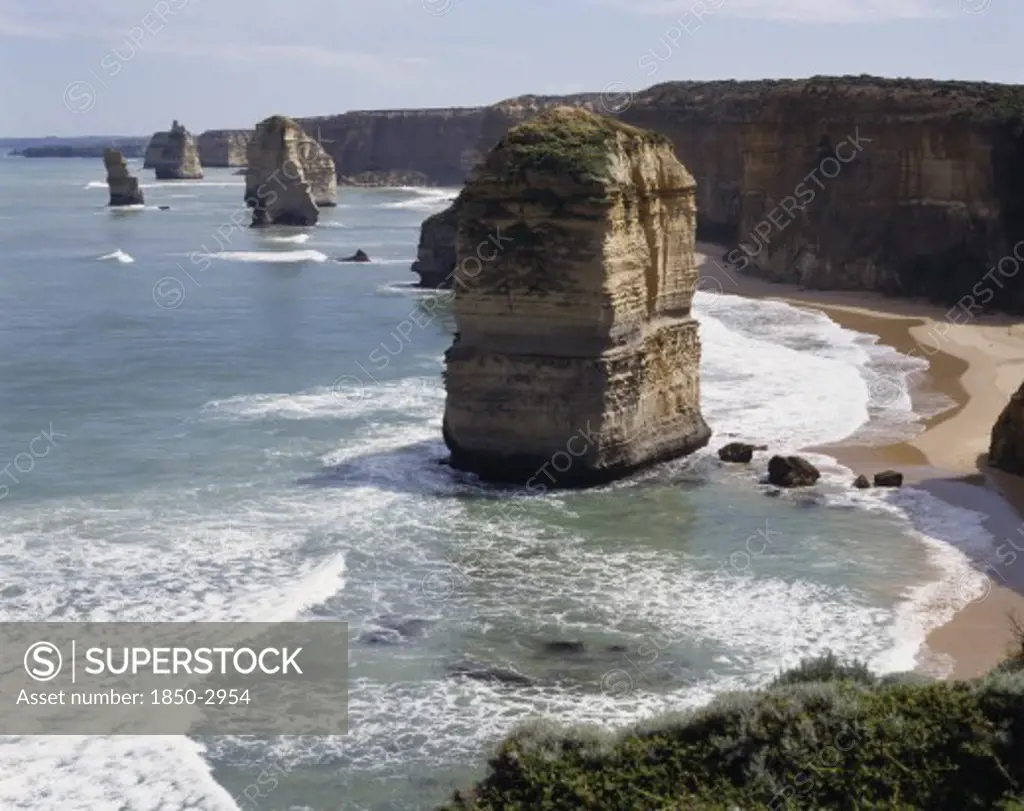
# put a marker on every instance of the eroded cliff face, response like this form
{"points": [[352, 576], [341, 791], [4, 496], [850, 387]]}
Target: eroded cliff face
{"points": [[435, 255], [224, 147], [904, 187], [174, 155], [443, 145], [276, 185], [576, 358], [925, 196], [1007, 447], [124, 188]]}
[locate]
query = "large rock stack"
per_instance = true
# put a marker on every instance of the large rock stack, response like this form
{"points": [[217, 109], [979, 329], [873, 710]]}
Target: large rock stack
{"points": [[576, 359], [289, 175], [1007, 448], [174, 155], [124, 189]]}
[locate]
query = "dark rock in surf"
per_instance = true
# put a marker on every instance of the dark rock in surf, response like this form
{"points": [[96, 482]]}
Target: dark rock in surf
{"points": [[564, 646], [358, 256], [861, 482], [792, 471], [888, 478], [740, 452], [481, 671]]}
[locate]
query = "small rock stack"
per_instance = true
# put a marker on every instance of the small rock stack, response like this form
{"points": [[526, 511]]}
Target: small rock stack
{"points": [[124, 188]]}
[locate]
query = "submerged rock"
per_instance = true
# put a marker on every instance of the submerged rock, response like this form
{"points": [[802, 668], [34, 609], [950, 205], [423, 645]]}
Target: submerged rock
{"points": [[792, 471], [861, 482], [277, 186], [1006, 449], [124, 188], [577, 358], [739, 452], [174, 155], [358, 256], [435, 256], [888, 478], [481, 671], [564, 646]]}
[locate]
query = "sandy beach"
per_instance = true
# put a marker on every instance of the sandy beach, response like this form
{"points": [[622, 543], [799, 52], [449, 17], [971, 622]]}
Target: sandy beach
{"points": [[978, 363]]}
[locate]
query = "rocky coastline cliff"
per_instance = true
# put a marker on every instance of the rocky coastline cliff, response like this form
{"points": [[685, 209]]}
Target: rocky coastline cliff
{"points": [[173, 155], [906, 187], [1006, 450], [576, 359], [223, 148]]}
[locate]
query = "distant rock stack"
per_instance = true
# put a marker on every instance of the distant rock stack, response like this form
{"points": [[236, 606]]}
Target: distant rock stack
{"points": [[223, 147], [287, 178], [124, 189], [174, 155], [576, 358], [1006, 450], [435, 256]]}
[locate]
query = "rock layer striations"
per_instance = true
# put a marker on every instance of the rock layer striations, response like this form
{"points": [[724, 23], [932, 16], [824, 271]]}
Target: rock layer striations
{"points": [[223, 147], [576, 357], [1006, 450], [906, 187], [124, 189], [289, 176], [174, 155]]}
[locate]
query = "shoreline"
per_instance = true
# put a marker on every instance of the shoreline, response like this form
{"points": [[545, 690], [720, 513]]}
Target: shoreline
{"points": [[977, 365]]}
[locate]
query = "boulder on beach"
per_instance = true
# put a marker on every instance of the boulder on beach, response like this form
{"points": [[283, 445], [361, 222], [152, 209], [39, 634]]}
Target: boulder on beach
{"points": [[792, 471], [124, 188], [862, 482], [739, 452], [889, 478], [1006, 449]]}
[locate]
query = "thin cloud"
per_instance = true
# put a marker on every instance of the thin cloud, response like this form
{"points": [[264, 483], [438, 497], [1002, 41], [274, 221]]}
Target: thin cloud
{"points": [[802, 11]]}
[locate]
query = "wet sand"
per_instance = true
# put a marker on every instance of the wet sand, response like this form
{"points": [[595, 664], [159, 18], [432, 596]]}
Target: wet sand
{"points": [[978, 363]]}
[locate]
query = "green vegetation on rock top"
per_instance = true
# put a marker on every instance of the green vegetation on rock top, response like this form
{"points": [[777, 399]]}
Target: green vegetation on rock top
{"points": [[566, 140], [825, 735]]}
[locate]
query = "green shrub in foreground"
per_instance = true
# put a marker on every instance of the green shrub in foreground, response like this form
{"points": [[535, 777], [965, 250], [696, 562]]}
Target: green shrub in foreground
{"points": [[825, 735]]}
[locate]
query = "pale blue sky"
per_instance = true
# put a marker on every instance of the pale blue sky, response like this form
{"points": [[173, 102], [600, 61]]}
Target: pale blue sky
{"points": [[70, 66]]}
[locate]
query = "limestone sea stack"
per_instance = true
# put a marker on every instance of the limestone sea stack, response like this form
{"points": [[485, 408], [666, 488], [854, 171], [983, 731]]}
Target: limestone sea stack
{"points": [[289, 176], [435, 256], [576, 358], [1006, 450], [124, 189], [174, 155], [276, 185]]}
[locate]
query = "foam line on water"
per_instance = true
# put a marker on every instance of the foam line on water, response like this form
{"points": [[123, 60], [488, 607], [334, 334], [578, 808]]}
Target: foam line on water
{"points": [[117, 255], [270, 257]]}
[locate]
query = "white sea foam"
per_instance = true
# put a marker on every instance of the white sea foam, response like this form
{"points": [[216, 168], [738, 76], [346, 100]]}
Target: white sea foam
{"points": [[770, 374], [119, 256], [424, 200], [270, 257], [287, 238]]}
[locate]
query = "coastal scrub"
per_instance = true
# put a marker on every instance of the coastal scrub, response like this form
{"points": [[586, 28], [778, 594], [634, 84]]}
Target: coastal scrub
{"points": [[825, 735]]}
